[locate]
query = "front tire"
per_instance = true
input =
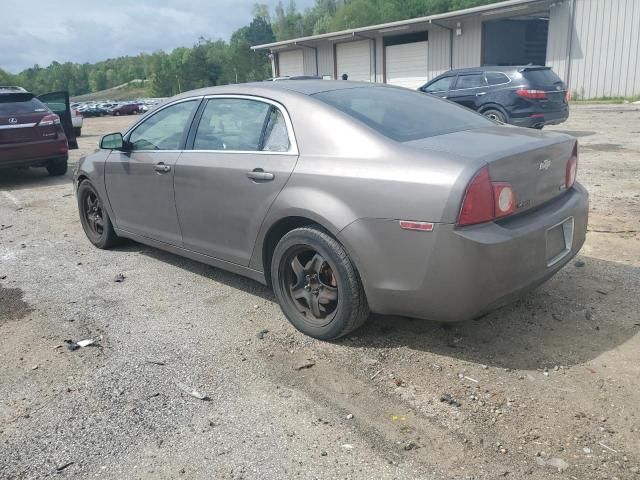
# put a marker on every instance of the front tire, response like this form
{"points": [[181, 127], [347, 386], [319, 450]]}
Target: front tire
{"points": [[57, 167], [317, 286], [94, 218]]}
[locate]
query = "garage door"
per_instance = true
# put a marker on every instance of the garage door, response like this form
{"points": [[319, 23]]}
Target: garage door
{"points": [[354, 59], [290, 63], [406, 64]]}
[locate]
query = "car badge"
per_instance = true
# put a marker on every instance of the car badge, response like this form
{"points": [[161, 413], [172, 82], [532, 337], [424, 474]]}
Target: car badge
{"points": [[13, 120], [544, 165]]}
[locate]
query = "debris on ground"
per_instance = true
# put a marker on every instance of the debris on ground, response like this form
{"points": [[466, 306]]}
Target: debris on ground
{"points": [[73, 346], [376, 374], [157, 362], [555, 462], [350, 416], [119, 278], [191, 391], [63, 467], [347, 446], [411, 446], [446, 397], [5, 227], [3, 277], [304, 365], [579, 264], [607, 447], [35, 367], [262, 333]]}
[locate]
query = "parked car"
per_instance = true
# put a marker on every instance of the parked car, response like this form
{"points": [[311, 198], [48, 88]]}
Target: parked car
{"points": [[93, 111], [35, 131], [527, 96], [126, 109], [346, 197], [77, 120]]}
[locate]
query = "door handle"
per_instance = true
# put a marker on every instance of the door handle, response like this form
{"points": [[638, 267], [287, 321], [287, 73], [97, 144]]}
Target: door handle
{"points": [[480, 94], [162, 168], [259, 175]]}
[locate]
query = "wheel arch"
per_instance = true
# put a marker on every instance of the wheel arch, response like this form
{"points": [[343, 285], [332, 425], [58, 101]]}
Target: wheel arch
{"points": [[494, 106], [279, 228]]}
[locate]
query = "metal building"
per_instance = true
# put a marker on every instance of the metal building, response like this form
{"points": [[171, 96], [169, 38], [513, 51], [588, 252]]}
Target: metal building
{"points": [[593, 45]]}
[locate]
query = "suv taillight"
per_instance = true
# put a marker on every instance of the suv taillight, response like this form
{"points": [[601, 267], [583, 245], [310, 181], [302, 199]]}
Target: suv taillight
{"points": [[50, 119], [532, 94], [572, 168], [485, 200]]}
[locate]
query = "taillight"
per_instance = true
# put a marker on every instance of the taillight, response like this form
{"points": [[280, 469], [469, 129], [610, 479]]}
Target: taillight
{"points": [[51, 119], [532, 94], [485, 200], [572, 168], [567, 96]]}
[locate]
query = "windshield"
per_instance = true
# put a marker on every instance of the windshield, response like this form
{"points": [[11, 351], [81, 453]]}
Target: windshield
{"points": [[402, 115], [20, 103]]}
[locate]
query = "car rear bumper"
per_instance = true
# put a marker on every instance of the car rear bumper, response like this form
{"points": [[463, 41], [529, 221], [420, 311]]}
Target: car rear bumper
{"points": [[453, 274], [32, 154], [536, 118]]}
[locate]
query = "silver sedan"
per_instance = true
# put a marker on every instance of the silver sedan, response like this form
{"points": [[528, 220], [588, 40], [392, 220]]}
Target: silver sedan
{"points": [[345, 197]]}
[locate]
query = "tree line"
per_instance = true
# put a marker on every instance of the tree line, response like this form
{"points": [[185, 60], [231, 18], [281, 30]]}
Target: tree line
{"points": [[218, 62]]}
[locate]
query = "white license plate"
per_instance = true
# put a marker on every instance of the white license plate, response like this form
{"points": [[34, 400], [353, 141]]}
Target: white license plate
{"points": [[559, 241]]}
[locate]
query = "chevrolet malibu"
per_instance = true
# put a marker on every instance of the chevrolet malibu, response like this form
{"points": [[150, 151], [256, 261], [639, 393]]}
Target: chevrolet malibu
{"points": [[345, 197]]}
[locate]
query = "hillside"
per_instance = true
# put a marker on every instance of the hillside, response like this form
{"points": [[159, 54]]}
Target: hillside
{"points": [[126, 91]]}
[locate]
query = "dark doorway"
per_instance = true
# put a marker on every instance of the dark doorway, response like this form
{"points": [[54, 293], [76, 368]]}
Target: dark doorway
{"points": [[515, 41]]}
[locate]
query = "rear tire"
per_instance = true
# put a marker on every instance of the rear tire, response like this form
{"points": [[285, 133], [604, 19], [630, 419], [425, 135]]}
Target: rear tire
{"points": [[94, 218], [496, 115], [57, 167], [317, 286]]}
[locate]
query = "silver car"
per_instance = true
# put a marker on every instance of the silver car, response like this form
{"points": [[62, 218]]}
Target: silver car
{"points": [[345, 197]]}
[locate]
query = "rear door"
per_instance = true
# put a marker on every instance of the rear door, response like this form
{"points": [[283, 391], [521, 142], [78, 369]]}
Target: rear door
{"points": [[139, 180], [241, 156], [469, 89], [58, 103]]}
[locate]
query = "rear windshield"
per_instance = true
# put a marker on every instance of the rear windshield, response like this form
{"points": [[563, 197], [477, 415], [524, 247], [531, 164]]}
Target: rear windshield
{"points": [[19, 103], [402, 115], [541, 77]]}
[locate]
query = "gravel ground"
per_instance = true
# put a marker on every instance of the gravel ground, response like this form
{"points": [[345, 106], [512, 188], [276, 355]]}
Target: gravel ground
{"points": [[547, 387]]}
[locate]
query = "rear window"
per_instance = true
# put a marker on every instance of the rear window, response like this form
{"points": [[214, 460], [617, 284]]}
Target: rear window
{"points": [[19, 103], [402, 115], [541, 77]]}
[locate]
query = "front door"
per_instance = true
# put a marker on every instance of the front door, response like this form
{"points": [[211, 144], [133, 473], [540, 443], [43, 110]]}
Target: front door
{"points": [[58, 103], [139, 179], [241, 156]]}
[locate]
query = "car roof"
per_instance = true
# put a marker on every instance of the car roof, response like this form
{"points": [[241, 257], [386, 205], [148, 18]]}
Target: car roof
{"points": [[304, 87], [11, 89], [494, 68]]}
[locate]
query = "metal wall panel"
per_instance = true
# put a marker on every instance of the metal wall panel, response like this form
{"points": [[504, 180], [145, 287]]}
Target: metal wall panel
{"points": [[604, 43]]}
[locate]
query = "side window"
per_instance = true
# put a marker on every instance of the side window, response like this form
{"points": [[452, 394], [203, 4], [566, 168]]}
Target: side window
{"points": [[276, 136], [470, 81], [442, 85], [164, 130], [496, 78], [232, 124]]}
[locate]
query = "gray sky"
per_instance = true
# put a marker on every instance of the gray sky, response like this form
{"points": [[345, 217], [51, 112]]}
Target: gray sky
{"points": [[40, 31]]}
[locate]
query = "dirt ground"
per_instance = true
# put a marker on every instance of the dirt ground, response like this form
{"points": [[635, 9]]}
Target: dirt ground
{"points": [[548, 387]]}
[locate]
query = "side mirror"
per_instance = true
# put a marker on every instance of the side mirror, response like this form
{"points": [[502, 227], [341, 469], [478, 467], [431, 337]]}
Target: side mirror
{"points": [[112, 141]]}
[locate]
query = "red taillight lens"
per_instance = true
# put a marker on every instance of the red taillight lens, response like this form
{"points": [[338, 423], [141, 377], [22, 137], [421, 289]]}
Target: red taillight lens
{"points": [[572, 168], [485, 200], [478, 204], [533, 94], [51, 119]]}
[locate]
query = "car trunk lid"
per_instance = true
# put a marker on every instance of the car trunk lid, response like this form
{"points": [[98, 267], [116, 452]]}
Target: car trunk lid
{"points": [[544, 79], [20, 115], [532, 162]]}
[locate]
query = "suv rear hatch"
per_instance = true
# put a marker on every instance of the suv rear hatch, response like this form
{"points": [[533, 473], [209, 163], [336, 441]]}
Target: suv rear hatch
{"points": [[534, 164], [20, 117], [545, 80]]}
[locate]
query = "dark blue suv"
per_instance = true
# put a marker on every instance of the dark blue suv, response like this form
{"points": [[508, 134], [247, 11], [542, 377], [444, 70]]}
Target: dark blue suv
{"points": [[527, 96]]}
